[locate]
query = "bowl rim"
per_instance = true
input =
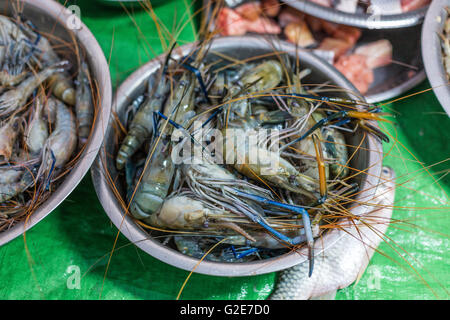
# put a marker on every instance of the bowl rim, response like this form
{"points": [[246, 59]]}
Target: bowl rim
{"points": [[364, 21], [140, 237], [432, 52], [97, 62]]}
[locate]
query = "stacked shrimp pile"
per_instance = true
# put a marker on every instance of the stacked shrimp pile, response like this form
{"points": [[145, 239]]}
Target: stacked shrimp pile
{"points": [[38, 126], [256, 207]]}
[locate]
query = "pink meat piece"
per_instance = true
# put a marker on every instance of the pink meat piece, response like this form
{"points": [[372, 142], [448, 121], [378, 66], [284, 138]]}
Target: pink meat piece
{"points": [[270, 7], [325, 3], [263, 25], [250, 10], [410, 5], [338, 46], [378, 53], [288, 15], [354, 68], [230, 23]]}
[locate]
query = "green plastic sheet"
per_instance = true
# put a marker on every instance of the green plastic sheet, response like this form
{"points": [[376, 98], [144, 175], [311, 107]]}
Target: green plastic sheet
{"points": [[77, 238]]}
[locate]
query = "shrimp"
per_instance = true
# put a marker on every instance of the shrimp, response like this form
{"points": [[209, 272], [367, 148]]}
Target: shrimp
{"points": [[9, 80], [9, 175], [306, 146], [218, 202], [211, 182], [188, 211], [185, 213], [14, 99], [84, 107], [14, 44], [267, 241], [141, 126], [336, 149], [60, 83], [37, 132], [260, 78], [8, 135], [157, 178], [196, 247], [10, 30], [256, 161], [155, 184], [62, 141], [10, 190]]}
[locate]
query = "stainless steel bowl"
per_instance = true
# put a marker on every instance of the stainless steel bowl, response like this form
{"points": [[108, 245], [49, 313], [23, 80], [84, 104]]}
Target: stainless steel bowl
{"points": [[49, 16], [366, 21], [396, 78], [402, 30], [239, 48], [432, 51], [389, 81]]}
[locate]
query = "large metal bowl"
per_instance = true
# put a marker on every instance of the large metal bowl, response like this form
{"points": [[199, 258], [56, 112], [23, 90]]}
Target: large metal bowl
{"points": [[366, 21], [432, 51], [389, 81], [51, 17], [236, 47], [396, 78]]}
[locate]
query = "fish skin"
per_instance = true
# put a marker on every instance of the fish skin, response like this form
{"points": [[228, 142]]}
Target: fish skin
{"points": [[346, 260]]}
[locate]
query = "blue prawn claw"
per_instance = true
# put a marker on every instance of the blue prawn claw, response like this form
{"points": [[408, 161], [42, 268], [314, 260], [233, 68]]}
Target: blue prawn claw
{"points": [[297, 209]]}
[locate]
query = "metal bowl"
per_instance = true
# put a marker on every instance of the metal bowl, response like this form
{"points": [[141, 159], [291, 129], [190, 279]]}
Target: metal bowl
{"points": [[402, 30], [394, 79], [49, 16], [239, 48], [432, 51], [360, 20]]}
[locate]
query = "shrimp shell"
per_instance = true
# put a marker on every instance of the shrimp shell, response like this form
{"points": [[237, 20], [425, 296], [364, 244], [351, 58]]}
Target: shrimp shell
{"points": [[14, 99], [84, 107], [10, 190], [37, 132], [63, 140], [8, 134]]}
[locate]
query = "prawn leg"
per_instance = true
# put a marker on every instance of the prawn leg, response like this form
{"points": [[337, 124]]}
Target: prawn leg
{"points": [[337, 115], [297, 209]]}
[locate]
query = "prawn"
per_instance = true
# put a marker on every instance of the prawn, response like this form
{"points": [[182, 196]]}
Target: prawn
{"points": [[14, 100], [83, 106]]}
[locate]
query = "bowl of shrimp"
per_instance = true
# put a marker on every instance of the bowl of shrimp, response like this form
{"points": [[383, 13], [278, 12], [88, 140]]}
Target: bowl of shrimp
{"points": [[55, 96], [436, 50], [176, 173]]}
